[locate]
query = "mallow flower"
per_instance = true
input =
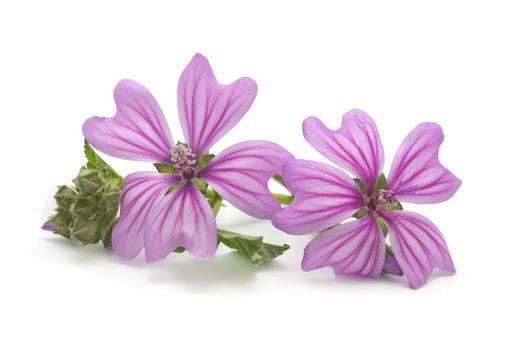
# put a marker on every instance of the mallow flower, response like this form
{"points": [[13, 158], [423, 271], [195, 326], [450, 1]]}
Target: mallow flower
{"points": [[326, 196], [161, 211]]}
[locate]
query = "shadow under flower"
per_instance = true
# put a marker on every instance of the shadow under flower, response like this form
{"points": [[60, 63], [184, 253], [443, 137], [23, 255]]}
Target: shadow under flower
{"points": [[227, 269]]}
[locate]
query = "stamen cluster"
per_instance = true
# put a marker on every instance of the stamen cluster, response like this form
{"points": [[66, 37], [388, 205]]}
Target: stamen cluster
{"points": [[184, 161]]}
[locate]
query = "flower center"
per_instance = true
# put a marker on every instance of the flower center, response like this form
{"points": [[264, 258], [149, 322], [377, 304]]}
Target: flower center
{"points": [[384, 199], [184, 161]]}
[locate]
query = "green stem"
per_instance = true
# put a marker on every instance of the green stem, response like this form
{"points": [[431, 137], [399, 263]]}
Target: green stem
{"points": [[283, 198], [279, 179], [217, 206]]}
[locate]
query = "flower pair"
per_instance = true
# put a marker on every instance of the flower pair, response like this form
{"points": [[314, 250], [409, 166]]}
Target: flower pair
{"points": [[161, 211]]}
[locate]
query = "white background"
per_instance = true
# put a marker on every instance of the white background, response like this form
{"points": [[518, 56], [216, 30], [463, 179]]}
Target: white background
{"points": [[460, 64]]}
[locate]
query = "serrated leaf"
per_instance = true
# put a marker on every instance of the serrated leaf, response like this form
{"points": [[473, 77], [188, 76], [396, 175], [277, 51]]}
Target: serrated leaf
{"points": [[252, 247], [96, 162]]}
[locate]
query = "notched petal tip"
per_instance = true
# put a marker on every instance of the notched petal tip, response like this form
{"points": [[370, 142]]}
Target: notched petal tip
{"points": [[355, 146], [208, 109], [416, 174], [182, 218], [354, 248], [418, 245], [138, 130]]}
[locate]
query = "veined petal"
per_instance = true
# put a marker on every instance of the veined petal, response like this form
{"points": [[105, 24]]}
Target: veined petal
{"points": [[141, 192], [207, 109], [353, 248], [138, 131], [241, 172], [356, 146], [323, 197], [181, 218], [416, 176], [418, 245]]}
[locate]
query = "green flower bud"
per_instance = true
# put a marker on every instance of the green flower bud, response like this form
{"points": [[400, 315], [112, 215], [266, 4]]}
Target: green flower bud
{"points": [[84, 231], [65, 196], [88, 180]]}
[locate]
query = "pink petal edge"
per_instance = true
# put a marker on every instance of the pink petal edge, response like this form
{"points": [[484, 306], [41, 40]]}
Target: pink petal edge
{"points": [[207, 109], [138, 131], [181, 218], [353, 248], [416, 175], [355, 146], [324, 196], [141, 192], [418, 245]]}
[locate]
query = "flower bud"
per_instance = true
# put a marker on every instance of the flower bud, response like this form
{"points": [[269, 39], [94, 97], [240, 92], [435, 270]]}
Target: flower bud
{"points": [[88, 180]]}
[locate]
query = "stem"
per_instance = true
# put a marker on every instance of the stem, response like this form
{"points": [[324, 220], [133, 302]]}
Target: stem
{"points": [[283, 198], [217, 206], [279, 179]]}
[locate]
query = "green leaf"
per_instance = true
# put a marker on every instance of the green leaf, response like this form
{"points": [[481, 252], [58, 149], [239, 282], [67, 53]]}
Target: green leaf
{"points": [[361, 213], [164, 168], [381, 223], [252, 247], [397, 206], [201, 185], [216, 205], [205, 160], [175, 187], [179, 250], [362, 187], [380, 184], [96, 162]]}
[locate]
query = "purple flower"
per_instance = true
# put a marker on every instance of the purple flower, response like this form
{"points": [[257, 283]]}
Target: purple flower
{"points": [[325, 196], [160, 222]]}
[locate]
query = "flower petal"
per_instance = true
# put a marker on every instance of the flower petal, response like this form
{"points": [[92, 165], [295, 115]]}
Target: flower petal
{"points": [[416, 176], [391, 265], [207, 109], [241, 172], [181, 218], [48, 226], [138, 131], [418, 245], [356, 146], [324, 196], [141, 191], [354, 248]]}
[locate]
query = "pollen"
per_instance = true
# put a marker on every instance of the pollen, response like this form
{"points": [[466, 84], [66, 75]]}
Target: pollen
{"points": [[184, 161]]}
